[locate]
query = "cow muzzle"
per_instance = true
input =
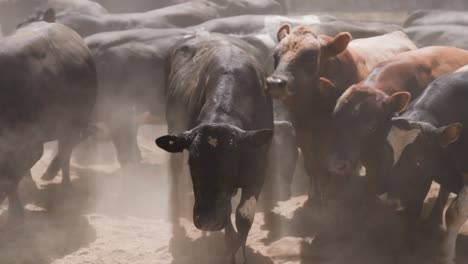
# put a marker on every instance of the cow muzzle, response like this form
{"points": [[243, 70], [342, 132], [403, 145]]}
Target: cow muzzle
{"points": [[211, 217], [208, 222], [277, 87]]}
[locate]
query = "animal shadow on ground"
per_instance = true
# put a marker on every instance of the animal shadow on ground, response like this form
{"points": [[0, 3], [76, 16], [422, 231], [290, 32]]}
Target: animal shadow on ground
{"points": [[208, 249], [134, 191], [55, 222], [356, 232], [45, 235]]}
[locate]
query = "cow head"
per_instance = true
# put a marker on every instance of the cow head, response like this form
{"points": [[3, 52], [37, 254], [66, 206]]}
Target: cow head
{"points": [[417, 158], [214, 154], [298, 57], [361, 118], [47, 15]]}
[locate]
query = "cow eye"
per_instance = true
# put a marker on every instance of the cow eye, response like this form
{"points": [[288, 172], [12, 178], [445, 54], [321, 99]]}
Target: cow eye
{"points": [[419, 161]]}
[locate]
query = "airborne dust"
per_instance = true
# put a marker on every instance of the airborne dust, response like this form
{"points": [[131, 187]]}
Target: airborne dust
{"points": [[120, 215]]}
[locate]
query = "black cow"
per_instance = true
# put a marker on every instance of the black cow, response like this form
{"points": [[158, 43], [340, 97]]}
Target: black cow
{"points": [[247, 24], [182, 15], [131, 74], [268, 24], [439, 35], [438, 28], [48, 85], [174, 16], [436, 17], [232, 7], [80, 6], [217, 109], [13, 11], [428, 144]]}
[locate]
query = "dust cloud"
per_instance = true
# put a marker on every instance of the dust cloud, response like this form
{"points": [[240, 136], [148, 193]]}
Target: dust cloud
{"points": [[121, 215]]}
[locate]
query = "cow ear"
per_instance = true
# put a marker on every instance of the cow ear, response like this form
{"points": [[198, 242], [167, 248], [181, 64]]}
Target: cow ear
{"points": [[326, 87], [399, 101], [174, 143], [256, 138], [283, 31], [49, 15], [338, 45], [449, 134]]}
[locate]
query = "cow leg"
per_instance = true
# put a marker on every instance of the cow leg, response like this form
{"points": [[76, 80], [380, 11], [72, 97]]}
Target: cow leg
{"points": [[315, 192], [437, 213], [52, 169], [65, 149], [245, 214], [313, 198], [288, 169], [176, 163], [62, 158], [456, 216], [413, 214], [15, 209], [65, 152], [3, 195], [124, 136], [231, 241]]}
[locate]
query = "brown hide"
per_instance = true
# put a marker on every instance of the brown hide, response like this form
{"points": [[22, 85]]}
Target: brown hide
{"points": [[301, 58], [386, 91]]}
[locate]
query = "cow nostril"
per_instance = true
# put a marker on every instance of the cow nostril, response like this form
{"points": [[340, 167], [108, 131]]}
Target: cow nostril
{"points": [[276, 82]]}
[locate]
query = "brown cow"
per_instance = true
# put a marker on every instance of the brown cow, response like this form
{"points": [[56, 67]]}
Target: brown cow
{"points": [[301, 59], [362, 114]]}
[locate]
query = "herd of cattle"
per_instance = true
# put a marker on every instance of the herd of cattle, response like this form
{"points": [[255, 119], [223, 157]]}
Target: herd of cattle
{"points": [[234, 85]]}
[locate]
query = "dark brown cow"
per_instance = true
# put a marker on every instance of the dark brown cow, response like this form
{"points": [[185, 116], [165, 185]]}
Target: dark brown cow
{"points": [[301, 59], [363, 113], [48, 89]]}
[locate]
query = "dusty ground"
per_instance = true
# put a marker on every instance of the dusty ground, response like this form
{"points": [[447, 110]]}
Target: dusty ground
{"points": [[112, 218]]}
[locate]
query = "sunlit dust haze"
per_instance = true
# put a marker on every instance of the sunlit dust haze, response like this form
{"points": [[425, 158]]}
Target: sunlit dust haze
{"points": [[120, 212]]}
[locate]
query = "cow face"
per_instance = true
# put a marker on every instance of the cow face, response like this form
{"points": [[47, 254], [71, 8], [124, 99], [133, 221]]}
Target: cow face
{"points": [[298, 57], [214, 154], [361, 118], [417, 157]]}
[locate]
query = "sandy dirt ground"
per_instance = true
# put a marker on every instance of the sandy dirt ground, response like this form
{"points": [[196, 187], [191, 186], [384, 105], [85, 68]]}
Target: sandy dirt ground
{"points": [[114, 216]]}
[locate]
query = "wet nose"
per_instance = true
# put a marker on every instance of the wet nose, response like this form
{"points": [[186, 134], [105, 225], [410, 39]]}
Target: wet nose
{"points": [[206, 223], [275, 82]]}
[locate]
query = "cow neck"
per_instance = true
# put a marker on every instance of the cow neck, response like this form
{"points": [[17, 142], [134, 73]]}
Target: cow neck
{"points": [[342, 70], [221, 107], [421, 115], [307, 109]]}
